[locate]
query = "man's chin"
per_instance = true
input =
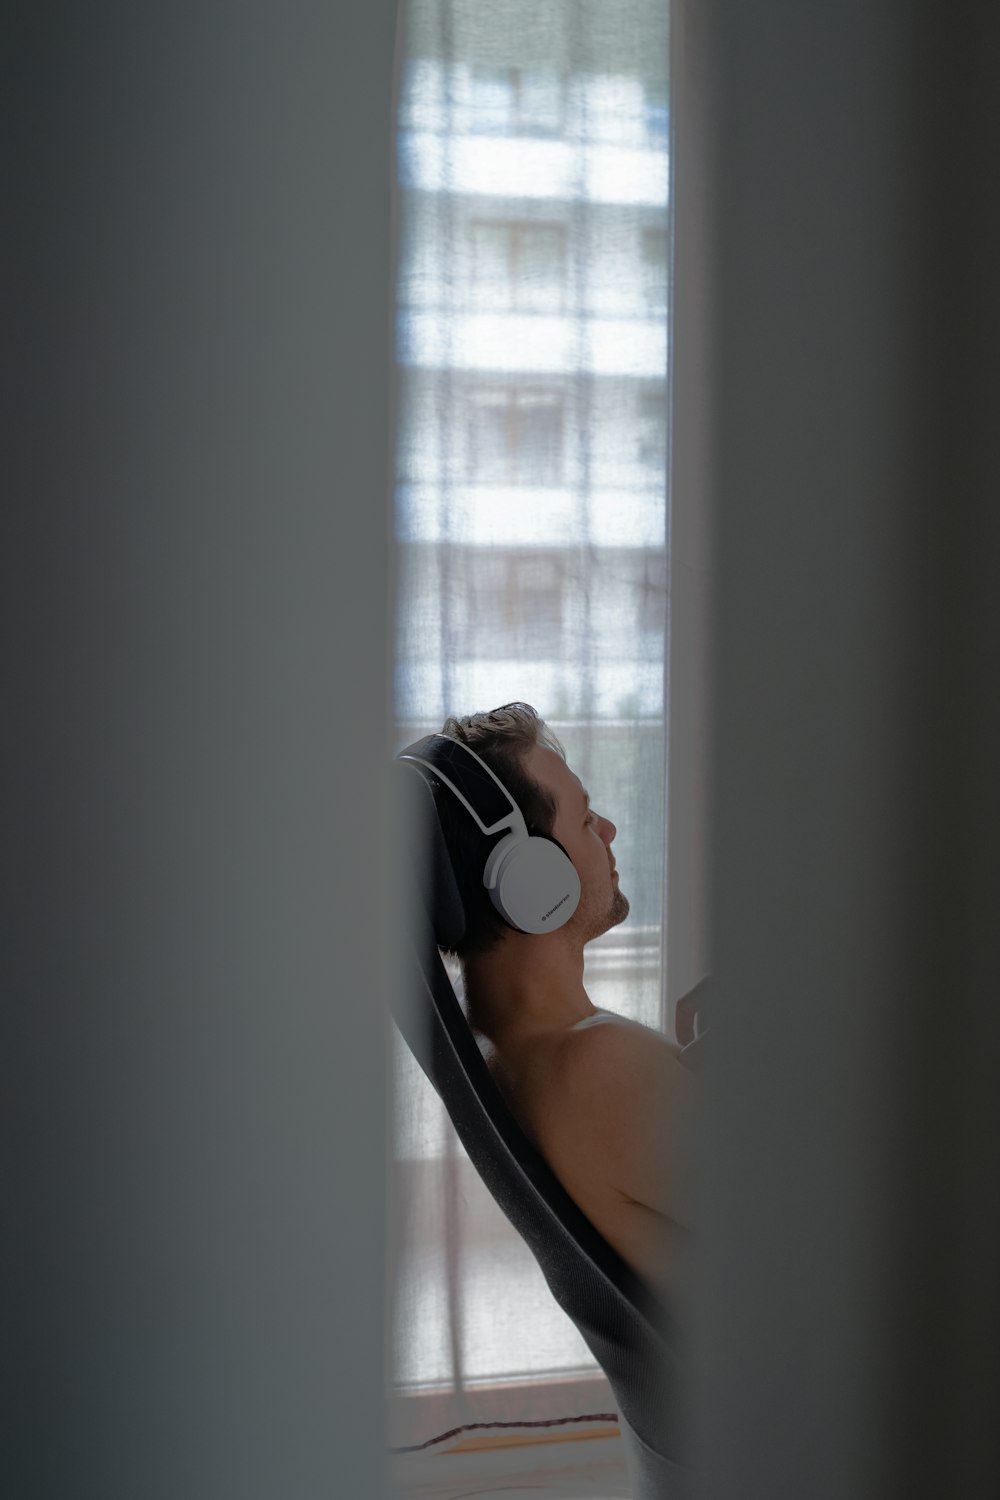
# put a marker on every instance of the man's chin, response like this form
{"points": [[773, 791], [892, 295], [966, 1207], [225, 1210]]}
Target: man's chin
{"points": [[619, 909], [594, 924]]}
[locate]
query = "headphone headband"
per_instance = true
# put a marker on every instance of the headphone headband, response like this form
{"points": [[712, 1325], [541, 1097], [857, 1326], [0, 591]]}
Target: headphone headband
{"points": [[480, 790]]}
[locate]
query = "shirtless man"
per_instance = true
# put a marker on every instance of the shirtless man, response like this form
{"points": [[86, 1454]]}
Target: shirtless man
{"points": [[605, 1100]]}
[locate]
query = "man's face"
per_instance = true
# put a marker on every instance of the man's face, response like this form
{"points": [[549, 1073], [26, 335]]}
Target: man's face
{"points": [[586, 837]]}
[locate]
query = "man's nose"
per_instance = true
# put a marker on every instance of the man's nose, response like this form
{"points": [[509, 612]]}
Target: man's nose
{"points": [[608, 830]]}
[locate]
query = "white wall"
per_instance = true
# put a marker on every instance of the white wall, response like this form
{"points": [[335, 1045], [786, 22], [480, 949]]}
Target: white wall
{"points": [[194, 1011]]}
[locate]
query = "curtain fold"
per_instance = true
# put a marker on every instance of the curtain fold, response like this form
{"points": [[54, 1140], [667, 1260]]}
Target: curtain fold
{"points": [[531, 527]]}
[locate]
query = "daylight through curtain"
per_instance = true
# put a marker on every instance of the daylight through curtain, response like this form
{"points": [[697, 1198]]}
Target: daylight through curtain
{"points": [[531, 525]]}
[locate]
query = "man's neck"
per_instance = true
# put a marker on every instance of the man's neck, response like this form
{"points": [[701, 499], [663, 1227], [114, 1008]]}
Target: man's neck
{"points": [[526, 988]]}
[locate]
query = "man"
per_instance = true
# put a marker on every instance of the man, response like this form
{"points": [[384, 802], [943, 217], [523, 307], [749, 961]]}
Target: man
{"points": [[606, 1100]]}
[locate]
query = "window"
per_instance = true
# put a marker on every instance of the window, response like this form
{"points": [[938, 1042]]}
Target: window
{"points": [[527, 589], [651, 429], [515, 436], [657, 114], [652, 596], [510, 101], [654, 268], [518, 265]]}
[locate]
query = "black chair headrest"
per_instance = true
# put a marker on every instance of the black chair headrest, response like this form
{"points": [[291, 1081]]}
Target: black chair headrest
{"points": [[427, 855]]}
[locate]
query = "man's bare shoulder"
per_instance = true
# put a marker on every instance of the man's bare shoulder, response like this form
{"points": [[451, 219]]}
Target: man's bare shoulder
{"points": [[609, 1046]]}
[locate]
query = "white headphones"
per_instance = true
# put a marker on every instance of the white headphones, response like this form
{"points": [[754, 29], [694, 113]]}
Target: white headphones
{"points": [[530, 878]]}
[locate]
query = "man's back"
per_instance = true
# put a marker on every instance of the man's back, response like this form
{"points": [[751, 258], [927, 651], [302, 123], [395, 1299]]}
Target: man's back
{"points": [[609, 1106]]}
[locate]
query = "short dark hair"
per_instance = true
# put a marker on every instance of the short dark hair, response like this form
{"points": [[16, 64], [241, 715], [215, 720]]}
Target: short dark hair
{"points": [[501, 737]]}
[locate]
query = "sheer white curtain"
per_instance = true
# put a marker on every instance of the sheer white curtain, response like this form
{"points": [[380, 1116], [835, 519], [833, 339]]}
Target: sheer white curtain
{"points": [[532, 530]]}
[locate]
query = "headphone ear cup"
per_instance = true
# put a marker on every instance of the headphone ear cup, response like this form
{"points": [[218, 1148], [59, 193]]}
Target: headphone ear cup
{"points": [[535, 885]]}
